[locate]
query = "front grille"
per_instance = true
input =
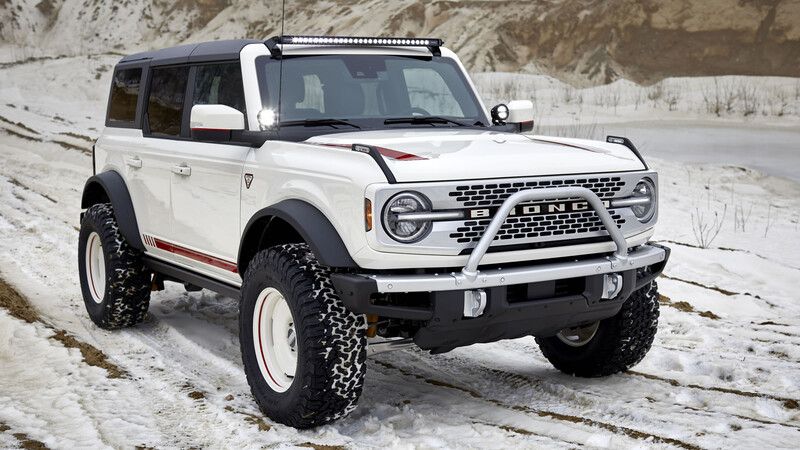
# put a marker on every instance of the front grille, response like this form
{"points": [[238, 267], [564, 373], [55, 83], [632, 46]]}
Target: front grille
{"points": [[557, 225], [495, 194], [529, 227]]}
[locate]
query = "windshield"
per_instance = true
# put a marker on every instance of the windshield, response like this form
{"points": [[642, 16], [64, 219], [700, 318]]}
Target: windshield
{"points": [[366, 90]]}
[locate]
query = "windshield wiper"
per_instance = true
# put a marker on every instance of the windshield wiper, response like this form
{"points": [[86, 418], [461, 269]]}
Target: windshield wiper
{"points": [[318, 122], [422, 120]]}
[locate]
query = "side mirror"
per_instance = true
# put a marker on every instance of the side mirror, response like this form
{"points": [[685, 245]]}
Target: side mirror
{"points": [[518, 115], [215, 122], [521, 112]]}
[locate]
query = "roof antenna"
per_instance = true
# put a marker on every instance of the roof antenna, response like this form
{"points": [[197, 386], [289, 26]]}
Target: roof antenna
{"points": [[280, 69]]}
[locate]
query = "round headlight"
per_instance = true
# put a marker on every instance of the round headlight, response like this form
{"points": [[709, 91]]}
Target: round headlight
{"points": [[645, 189], [398, 217]]}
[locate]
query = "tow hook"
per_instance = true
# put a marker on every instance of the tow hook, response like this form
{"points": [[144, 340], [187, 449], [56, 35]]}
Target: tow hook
{"points": [[474, 302], [612, 285]]}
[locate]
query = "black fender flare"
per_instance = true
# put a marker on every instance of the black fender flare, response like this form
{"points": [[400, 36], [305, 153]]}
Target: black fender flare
{"points": [[309, 222], [110, 185]]}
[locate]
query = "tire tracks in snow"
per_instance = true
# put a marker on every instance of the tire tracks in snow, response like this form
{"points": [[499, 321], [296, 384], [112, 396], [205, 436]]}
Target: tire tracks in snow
{"points": [[726, 249], [59, 379], [475, 369], [788, 403], [715, 288], [23, 439], [22, 131], [19, 184], [452, 396], [179, 383], [19, 307], [544, 413], [195, 388], [785, 402]]}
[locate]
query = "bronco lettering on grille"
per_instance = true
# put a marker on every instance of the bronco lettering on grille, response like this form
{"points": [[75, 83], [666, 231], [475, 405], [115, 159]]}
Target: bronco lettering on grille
{"points": [[537, 209]]}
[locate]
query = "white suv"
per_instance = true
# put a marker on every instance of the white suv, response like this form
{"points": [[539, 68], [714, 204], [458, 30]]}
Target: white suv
{"points": [[358, 197]]}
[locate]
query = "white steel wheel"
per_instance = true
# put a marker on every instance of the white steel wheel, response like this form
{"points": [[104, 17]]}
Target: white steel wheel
{"points": [[274, 339], [95, 267], [578, 336]]}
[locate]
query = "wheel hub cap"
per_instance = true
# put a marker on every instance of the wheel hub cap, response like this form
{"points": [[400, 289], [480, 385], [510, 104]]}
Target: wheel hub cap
{"points": [[578, 336], [275, 339], [95, 267]]}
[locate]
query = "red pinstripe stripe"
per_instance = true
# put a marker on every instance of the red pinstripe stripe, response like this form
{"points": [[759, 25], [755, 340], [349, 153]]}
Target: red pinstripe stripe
{"points": [[195, 255], [261, 345], [394, 154]]}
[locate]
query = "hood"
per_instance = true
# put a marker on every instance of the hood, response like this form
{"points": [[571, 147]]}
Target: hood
{"points": [[443, 155]]}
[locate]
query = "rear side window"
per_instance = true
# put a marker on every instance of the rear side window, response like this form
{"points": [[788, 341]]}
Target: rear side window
{"points": [[165, 104], [219, 84], [124, 95]]}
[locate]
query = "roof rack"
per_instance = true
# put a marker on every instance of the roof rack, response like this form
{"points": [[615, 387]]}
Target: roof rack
{"points": [[352, 41]]}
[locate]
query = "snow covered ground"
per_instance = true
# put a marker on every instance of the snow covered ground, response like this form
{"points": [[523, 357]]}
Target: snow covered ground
{"points": [[723, 371]]}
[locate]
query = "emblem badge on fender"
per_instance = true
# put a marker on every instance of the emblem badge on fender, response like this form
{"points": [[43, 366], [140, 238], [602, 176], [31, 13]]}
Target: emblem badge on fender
{"points": [[248, 178]]}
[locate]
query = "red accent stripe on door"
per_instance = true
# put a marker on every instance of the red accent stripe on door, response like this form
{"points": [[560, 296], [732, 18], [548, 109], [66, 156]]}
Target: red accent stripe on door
{"points": [[195, 255]]}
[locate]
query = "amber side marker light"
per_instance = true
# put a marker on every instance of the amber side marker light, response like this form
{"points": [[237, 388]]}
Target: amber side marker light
{"points": [[368, 214], [371, 331]]}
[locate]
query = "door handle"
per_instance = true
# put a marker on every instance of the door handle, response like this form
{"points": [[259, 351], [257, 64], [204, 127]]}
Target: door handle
{"points": [[134, 162], [184, 171]]}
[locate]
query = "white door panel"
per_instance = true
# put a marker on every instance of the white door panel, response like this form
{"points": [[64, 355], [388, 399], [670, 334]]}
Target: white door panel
{"points": [[146, 171], [206, 188]]}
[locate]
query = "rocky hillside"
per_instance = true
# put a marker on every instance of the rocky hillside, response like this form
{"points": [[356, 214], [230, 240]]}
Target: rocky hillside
{"points": [[580, 41]]}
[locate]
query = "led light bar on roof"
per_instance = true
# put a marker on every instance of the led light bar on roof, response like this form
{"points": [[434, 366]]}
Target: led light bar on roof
{"points": [[274, 43], [332, 40]]}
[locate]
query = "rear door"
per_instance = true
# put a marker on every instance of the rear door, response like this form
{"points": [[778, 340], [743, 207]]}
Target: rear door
{"points": [[148, 164]]}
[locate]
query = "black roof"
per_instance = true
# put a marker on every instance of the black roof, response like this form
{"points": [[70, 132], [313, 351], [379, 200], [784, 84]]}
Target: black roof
{"points": [[205, 51]]}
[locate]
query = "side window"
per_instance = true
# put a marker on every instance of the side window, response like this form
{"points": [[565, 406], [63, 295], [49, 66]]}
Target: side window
{"points": [[124, 95], [165, 105], [219, 84]]}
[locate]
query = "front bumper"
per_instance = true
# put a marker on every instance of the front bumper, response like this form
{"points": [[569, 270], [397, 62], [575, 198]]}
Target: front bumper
{"points": [[358, 290], [537, 306]]}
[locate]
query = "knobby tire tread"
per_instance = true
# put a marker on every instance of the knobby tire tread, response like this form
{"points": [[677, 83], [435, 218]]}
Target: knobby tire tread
{"points": [[621, 342], [128, 281], [332, 341]]}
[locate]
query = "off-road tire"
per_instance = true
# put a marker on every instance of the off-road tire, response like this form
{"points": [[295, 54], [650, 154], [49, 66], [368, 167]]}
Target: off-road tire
{"points": [[330, 341], [620, 342], [124, 294]]}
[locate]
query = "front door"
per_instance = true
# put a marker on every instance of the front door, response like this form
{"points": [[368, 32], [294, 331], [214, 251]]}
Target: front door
{"points": [[206, 187], [207, 180]]}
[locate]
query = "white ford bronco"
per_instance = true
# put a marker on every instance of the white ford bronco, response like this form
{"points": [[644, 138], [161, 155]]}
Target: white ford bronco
{"points": [[357, 196]]}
